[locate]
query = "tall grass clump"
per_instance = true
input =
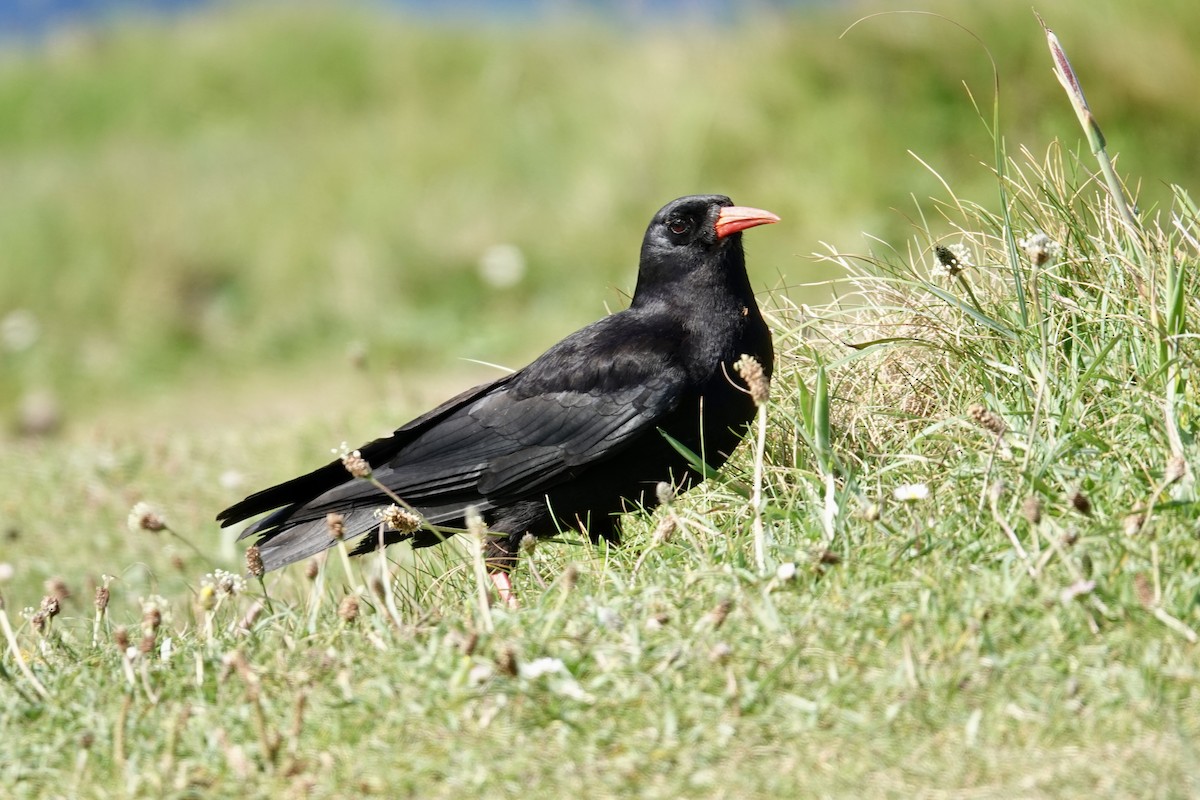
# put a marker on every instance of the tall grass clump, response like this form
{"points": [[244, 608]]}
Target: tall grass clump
{"points": [[1014, 415]]}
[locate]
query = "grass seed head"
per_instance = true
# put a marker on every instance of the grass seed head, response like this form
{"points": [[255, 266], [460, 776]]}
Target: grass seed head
{"points": [[716, 617], [254, 562], [988, 420], [398, 519], [356, 465], [155, 611], [335, 523], [951, 261], [570, 577], [102, 597], [1040, 248], [251, 616], [756, 379], [475, 524], [146, 517], [1031, 509], [665, 528], [1144, 591], [348, 609], [507, 662], [1080, 503], [121, 638], [50, 606]]}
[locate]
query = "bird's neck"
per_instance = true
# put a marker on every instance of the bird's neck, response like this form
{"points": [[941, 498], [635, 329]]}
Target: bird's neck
{"points": [[714, 288]]}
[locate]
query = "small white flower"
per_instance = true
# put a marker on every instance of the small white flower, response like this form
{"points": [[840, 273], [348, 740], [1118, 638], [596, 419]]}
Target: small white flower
{"points": [[502, 266], [1040, 248], [231, 479], [785, 572], [542, 666], [19, 330], [6, 571], [911, 492], [225, 584]]}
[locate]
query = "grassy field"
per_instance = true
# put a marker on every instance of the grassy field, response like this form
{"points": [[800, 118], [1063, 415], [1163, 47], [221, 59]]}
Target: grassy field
{"points": [[232, 242]]}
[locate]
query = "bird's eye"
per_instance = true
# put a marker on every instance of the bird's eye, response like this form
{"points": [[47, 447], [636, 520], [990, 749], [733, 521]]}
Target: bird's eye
{"points": [[679, 226]]}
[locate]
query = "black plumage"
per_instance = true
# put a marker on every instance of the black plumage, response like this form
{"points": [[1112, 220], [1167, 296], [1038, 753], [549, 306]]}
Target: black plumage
{"points": [[576, 437]]}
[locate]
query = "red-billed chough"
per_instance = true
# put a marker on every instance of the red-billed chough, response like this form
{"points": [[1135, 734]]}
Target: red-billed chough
{"points": [[575, 438]]}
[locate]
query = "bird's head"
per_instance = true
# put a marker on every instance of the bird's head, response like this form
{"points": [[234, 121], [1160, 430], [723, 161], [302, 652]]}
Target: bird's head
{"points": [[701, 233]]}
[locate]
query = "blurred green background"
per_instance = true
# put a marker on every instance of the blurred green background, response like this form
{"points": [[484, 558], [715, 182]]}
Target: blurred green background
{"points": [[234, 214]]}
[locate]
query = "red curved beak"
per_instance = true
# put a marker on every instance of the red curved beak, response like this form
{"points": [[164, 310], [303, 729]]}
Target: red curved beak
{"points": [[737, 218]]}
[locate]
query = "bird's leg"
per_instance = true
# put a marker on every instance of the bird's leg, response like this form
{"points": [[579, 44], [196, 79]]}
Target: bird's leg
{"points": [[504, 588], [501, 553]]}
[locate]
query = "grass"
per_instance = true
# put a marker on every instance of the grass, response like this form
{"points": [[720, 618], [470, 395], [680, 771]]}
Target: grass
{"points": [[1023, 625]]}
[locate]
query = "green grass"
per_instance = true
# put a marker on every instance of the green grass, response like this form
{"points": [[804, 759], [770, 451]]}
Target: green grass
{"points": [[956, 645]]}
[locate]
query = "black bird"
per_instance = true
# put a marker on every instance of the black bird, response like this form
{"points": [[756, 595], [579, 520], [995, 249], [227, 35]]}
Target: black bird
{"points": [[575, 438]]}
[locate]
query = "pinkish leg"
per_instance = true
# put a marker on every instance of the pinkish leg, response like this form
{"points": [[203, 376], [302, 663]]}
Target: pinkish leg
{"points": [[504, 589]]}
